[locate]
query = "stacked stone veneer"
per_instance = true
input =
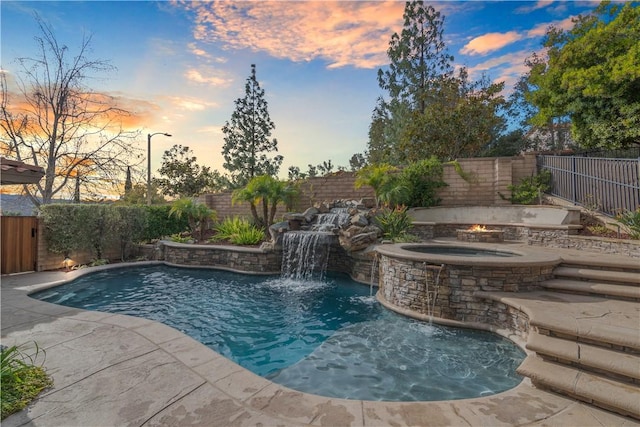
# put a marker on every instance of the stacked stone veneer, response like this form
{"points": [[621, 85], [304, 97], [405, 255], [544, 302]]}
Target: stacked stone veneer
{"points": [[409, 284], [358, 265], [247, 260]]}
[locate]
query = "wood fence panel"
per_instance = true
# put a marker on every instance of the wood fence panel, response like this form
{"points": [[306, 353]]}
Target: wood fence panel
{"points": [[19, 244]]}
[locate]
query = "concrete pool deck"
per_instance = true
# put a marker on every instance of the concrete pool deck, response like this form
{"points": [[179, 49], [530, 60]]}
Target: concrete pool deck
{"points": [[114, 370]]}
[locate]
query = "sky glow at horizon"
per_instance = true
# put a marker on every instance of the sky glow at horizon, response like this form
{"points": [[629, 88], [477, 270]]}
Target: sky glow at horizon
{"points": [[181, 65]]}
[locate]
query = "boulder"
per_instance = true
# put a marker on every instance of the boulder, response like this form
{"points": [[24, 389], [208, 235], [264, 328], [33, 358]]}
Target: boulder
{"points": [[359, 241], [359, 219]]}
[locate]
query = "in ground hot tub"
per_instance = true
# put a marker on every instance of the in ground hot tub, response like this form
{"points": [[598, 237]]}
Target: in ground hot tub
{"points": [[445, 280], [460, 251]]}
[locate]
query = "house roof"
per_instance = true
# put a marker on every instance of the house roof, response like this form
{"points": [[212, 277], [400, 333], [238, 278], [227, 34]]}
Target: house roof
{"points": [[15, 172]]}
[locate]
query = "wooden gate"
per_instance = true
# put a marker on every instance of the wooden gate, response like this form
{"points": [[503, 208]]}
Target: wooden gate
{"points": [[19, 243]]}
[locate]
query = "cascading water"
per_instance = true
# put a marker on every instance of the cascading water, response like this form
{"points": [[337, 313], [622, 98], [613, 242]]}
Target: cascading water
{"points": [[305, 253], [374, 267], [337, 217], [432, 274]]}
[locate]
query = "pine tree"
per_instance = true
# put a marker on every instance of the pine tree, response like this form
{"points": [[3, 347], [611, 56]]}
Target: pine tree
{"points": [[128, 185], [430, 109], [419, 58], [247, 137]]}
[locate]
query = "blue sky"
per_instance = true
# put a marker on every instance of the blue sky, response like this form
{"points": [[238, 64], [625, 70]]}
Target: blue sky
{"points": [[181, 65]]}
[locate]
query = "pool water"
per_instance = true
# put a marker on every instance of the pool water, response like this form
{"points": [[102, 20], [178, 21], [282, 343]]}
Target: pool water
{"points": [[329, 338]]}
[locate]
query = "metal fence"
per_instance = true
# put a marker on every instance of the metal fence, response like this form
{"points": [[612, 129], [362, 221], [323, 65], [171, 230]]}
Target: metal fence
{"points": [[609, 186]]}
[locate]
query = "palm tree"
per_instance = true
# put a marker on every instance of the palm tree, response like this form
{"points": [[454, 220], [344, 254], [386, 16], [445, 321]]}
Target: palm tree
{"points": [[197, 214], [267, 191], [387, 186]]}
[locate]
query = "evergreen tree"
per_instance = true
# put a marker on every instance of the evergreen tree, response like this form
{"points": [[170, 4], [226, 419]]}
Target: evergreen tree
{"points": [[431, 110], [128, 185], [246, 141], [76, 192], [419, 59]]}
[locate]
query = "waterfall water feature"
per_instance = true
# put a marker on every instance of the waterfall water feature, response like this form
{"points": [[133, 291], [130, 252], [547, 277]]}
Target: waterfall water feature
{"points": [[304, 254], [374, 267], [431, 295], [337, 217]]}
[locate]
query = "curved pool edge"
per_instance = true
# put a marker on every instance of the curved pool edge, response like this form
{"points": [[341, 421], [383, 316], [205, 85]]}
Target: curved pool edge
{"points": [[180, 379], [503, 332]]}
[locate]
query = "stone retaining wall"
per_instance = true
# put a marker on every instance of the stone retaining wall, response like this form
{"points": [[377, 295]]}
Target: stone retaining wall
{"points": [[247, 260], [254, 260], [410, 286], [558, 239]]}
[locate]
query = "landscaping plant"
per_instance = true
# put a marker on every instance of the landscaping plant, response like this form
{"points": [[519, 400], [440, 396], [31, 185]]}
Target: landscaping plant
{"points": [[632, 220], [239, 231], [268, 192], [395, 224], [20, 379], [530, 189], [198, 215], [385, 181]]}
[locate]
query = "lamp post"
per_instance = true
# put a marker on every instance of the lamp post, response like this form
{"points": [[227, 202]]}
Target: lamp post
{"points": [[149, 163]]}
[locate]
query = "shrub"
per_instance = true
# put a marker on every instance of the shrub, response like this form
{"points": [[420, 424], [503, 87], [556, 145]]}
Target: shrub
{"points": [[632, 220], [61, 228], [20, 380], [130, 227], [159, 224], [238, 231], [530, 189], [75, 227], [395, 224], [179, 238], [422, 180]]}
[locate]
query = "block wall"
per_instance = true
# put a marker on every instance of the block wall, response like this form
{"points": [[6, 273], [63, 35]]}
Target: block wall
{"points": [[484, 180], [488, 177]]}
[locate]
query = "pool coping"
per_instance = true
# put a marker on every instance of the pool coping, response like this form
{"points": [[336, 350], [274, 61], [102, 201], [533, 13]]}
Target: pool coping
{"points": [[133, 371]]}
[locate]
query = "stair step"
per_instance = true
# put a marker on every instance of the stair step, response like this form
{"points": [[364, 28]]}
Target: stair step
{"points": [[604, 359], [608, 289], [602, 275], [585, 318], [610, 394]]}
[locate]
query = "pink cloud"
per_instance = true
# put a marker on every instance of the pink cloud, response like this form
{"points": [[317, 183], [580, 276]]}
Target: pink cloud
{"points": [[342, 33], [490, 42]]}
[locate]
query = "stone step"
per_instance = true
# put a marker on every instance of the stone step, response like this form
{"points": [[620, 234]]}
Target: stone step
{"points": [[609, 276], [604, 322], [616, 396], [625, 291], [603, 360]]}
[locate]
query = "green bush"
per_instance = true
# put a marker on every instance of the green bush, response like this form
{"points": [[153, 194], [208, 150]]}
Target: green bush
{"points": [[130, 227], [395, 224], [160, 224], [61, 229], [95, 227], [632, 220], [20, 380], [530, 189], [423, 179], [238, 231]]}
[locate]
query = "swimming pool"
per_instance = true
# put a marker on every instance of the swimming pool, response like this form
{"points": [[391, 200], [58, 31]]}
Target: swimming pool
{"points": [[328, 338]]}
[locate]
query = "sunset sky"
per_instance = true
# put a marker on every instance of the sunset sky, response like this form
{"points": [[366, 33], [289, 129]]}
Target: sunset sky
{"points": [[181, 65]]}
